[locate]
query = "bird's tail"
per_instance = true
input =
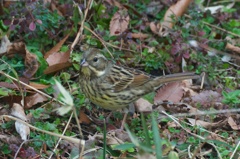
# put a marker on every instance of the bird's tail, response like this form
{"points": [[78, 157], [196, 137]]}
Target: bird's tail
{"points": [[175, 77]]}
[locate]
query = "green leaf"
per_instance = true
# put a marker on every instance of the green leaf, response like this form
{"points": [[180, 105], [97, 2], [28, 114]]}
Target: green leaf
{"points": [[145, 129], [124, 147], [156, 138]]}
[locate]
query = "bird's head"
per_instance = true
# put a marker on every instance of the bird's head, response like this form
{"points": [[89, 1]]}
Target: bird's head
{"points": [[93, 64]]}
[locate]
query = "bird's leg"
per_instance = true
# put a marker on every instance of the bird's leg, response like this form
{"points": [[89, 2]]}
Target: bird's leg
{"points": [[108, 117], [130, 110]]}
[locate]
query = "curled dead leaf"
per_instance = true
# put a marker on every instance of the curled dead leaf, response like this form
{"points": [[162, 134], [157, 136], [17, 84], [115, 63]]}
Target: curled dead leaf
{"points": [[233, 124], [57, 47], [119, 22], [22, 129], [207, 124], [4, 43], [31, 61], [31, 64], [34, 99]]}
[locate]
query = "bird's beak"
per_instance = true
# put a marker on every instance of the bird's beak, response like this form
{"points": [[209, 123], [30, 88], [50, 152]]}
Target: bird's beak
{"points": [[84, 63]]}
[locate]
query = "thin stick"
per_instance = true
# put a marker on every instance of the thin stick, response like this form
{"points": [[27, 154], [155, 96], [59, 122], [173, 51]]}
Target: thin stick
{"points": [[71, 139], [80, 31], [40, 92], [59, 140]]}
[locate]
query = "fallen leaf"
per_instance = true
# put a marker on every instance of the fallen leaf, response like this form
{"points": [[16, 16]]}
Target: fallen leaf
{"points": [[34, 99], [57, 47], [171, 92], [57, 62], [10, 139], [233, 48], [31, 64], [22, 129], [18, 47], [38, 85], [233, 124], [57, 67], [175, 10], [4, 43], [207, 97], [119, 22], [206, 124], [58, 58], [83, 118], [180, 108], [139, 35]]}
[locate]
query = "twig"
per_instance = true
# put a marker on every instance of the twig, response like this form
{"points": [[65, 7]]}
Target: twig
{"points": [[195, 135], [40, 92], [203, 113], [19, 148], [235, 150], [175, 120], [65, 129], [71, 139], [80, 31], [101, 40], [216, 27]]}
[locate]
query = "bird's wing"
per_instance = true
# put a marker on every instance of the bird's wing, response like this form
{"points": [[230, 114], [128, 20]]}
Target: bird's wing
{"points": [[125, 78]]}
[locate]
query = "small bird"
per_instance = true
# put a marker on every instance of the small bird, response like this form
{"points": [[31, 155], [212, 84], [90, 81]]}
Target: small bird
{"points": [[114, 87]]}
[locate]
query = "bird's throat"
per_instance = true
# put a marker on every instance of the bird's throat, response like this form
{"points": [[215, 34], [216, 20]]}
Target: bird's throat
{"points": [[86, 72]]}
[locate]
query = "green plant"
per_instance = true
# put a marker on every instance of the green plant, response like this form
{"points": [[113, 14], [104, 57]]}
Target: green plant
{"points": [[231, 97]]}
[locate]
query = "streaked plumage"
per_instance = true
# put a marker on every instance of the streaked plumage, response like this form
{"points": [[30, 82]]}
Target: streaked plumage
{"points": [[113, 87]]}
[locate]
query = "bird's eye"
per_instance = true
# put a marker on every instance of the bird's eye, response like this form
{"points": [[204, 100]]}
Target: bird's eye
{"points": [[95, 59]]}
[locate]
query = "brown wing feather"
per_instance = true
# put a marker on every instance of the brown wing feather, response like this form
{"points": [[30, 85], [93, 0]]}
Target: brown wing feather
{"points": [[124, 78], [140, 77]]}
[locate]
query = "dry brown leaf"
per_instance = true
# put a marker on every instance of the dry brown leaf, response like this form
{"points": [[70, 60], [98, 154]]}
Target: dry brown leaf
{"points": [[53, 6], [18, 47], [233, 124], [58, 58], [38, 85], [180, 108], [22, 129], [171, 92], [83, 118], [232, 48], [57, 67], [156, 28], [143, 105], [175, 10], [139, 35], [57, 47], [34, 99], [207, 97], [10, 139], [31, 64], [206, 124], [4, 43], [119, 22], [57, 62]]}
